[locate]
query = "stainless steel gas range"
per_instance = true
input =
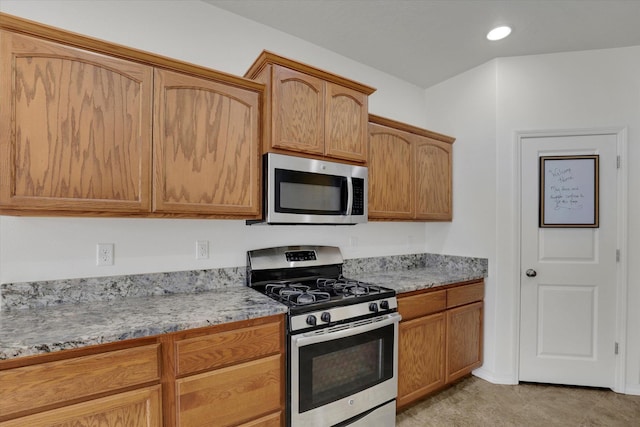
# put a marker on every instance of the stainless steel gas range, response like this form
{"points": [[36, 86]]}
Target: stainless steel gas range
{"points": [[342, 337]]}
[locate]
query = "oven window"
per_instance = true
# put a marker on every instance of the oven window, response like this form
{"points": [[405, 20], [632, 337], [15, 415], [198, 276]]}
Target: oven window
{"points": [[310, 193], [338, 368]]}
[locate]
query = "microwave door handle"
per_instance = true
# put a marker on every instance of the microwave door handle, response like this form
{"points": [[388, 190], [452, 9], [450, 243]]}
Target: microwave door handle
{"points": [[349, 195]]}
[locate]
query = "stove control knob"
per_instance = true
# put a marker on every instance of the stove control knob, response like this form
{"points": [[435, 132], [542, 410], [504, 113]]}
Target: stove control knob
{"points": [[311, 320], [373, 307], [325, 317], [384, 305]]}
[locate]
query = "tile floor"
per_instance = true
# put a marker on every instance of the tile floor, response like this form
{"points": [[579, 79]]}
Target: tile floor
{"points": [[475, 402]]}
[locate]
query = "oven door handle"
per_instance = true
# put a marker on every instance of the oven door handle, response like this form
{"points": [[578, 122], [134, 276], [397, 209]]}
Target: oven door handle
{"points": [[302, 340]]}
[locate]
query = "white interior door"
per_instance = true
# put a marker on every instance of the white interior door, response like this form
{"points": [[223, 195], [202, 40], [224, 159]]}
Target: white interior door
{"points": [[568, 320]]}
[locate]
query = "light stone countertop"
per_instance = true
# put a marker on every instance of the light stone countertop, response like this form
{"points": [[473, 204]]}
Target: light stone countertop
{"points": [[43, 330], [416, 279], [44, 317]]}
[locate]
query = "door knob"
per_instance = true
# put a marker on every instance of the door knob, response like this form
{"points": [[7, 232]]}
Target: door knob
{"points": [[531, 273]]}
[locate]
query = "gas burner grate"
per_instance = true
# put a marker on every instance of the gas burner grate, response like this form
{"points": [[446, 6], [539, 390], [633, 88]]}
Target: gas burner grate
{"points": [[280, 288], [295, 293], [306, 297], [345, 287]]}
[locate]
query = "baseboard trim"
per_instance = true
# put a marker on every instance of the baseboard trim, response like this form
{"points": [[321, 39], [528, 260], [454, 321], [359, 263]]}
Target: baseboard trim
{"points": [[493, 378]]}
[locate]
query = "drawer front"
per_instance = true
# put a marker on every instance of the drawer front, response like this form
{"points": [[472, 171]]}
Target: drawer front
{"points": [[422, 304], [226, 348], [138, 408], [272, 420], [53, 383], [230, 395], [465, 294]]}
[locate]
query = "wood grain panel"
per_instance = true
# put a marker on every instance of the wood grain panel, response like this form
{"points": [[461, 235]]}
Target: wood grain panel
{"points": [[298, 114], [206, 139], [76, 130], [465, 294], [422, 304], [464, 340], [390, 175], [139, 408], [345, 123], [271, 420], [35, 386], [230, 395], [221, 349], [421, 357], [433, 179]]}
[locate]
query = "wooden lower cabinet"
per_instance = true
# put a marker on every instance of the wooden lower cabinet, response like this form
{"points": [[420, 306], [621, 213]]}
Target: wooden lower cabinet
{"points": [[464, 340], [138, 408], [421, 356], [37, 387], [228, 375], [232, 395], [440, 339], [225, 375]]}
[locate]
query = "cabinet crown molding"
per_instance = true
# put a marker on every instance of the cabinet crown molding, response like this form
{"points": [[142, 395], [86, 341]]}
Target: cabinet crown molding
{"points": [[270, 58], [379, 120], [50, 33]]}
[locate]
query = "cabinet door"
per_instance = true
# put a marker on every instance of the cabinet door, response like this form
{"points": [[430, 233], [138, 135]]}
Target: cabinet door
{"points": [[138, 408], [75, 129], [464, 340], [432, 179], [421, 355], [345, 123], [297, 102], [206, 142], [390, 174], [231, 395]]}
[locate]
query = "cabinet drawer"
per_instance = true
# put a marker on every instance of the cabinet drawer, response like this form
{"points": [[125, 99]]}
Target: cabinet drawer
{"points": [[53, 383], [230, 395], [226, 348], [139, 408], [465, 294], [272, 420], [422, 304]]}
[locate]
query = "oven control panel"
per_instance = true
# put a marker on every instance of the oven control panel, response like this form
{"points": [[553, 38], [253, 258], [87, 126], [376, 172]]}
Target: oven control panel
{"points": [[341, 314], [301, 256]]}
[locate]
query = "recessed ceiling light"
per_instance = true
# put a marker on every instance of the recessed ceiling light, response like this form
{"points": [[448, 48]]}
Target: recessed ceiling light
{"points": [[499, 33]]}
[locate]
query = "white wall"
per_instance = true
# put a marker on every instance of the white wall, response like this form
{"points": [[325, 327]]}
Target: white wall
{"points": [[576, 90], [52, 248]]}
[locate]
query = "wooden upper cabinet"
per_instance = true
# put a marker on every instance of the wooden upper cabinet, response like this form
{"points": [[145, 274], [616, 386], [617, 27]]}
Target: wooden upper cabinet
{"points": [[390, 173], [96, 129], [298, 121], [311, 111], [206, 146], [410, 172], [432, 166], [75, 128], [346, 121]]}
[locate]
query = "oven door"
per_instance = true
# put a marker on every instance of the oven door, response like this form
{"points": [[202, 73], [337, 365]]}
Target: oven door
{"points": [[344, 371]]}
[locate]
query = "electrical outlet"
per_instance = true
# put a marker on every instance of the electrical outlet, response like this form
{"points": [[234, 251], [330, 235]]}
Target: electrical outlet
{"points": [[202, 249], [104, 254]]}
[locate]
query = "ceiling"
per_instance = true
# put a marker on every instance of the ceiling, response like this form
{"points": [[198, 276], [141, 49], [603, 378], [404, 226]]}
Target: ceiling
{"points": [[428, 41]]}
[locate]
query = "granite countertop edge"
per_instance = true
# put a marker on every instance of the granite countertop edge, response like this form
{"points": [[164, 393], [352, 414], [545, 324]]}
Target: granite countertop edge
{"points": [[70, 326], [41, 330]]}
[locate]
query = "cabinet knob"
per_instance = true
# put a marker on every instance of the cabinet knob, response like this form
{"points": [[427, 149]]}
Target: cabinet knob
{"points": [[531, 273]]}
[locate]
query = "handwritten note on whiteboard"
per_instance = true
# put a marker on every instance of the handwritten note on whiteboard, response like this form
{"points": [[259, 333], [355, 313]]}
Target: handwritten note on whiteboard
{"points": [[569, 191]]}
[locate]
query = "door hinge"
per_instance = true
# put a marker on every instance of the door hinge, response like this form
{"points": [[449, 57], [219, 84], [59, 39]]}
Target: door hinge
{"points": [[618, 162], [617, 255], [616, 347]]}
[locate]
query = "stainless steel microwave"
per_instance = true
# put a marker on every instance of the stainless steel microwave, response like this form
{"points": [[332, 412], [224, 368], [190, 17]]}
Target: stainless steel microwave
{"points": [[299, 190]]}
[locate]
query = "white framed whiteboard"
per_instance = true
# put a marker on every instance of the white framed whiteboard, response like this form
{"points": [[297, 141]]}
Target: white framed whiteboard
{"points": [[569, 191]]}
